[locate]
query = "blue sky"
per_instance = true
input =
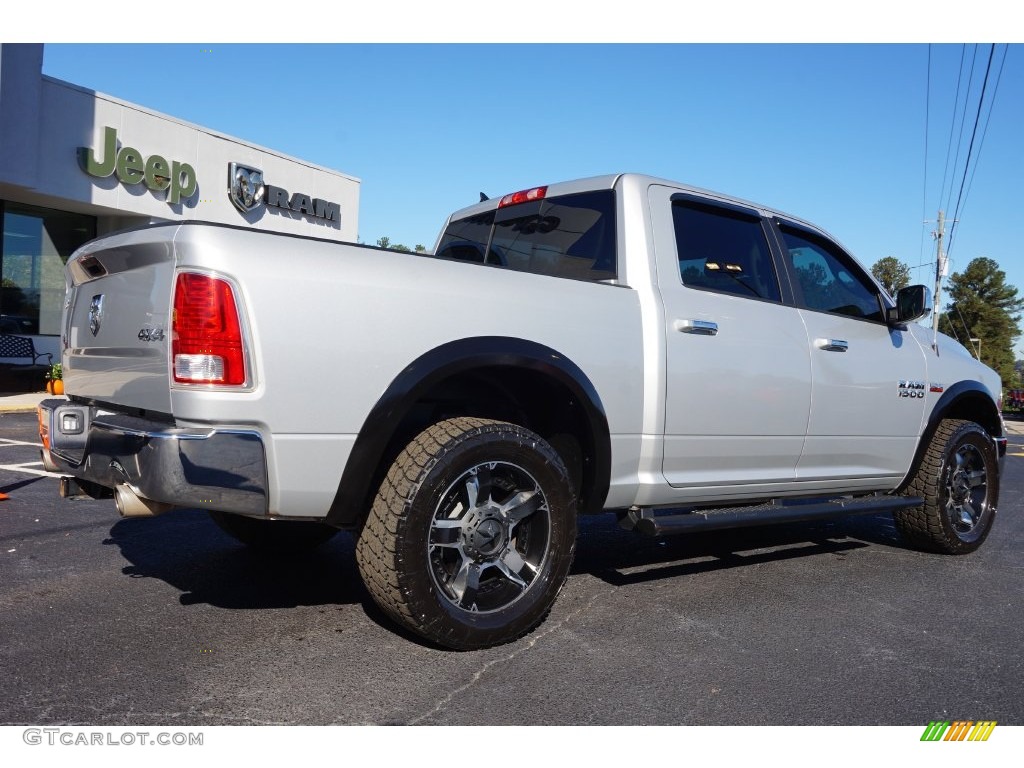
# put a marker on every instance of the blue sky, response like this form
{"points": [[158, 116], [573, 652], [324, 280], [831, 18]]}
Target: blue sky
{"points": [[835, 134]]}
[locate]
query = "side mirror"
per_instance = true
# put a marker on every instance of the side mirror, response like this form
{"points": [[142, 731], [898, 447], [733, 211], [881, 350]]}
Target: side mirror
{"points": [[912, 303]]}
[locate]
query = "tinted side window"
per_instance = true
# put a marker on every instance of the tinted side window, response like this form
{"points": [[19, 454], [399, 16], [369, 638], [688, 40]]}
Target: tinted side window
{"points": [[828, 280], [566, 236], [466, 240], [723, 250]]}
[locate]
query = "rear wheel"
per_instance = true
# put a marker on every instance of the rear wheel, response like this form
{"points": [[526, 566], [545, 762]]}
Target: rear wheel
{"points": [[274, 535], [471, 534], [959, 481]]}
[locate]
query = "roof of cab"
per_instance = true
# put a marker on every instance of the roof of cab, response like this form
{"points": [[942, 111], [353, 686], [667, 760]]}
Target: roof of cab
{"points": [[637, 180]]}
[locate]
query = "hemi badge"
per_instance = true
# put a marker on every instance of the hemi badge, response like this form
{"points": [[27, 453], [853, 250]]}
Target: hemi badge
{"points": [[935, 388]]}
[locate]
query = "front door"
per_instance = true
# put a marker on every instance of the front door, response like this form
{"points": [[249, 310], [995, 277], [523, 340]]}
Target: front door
{"points": [[869, 379]]}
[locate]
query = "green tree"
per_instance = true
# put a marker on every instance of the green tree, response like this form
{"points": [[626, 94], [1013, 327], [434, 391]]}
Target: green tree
{"points": [[892, 273], [818, 287], [983, 306], [12, 299], [385, 242]]}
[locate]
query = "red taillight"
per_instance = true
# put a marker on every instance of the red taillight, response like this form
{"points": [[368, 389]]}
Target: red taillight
{"points": [[523, 196], [206, 345]]}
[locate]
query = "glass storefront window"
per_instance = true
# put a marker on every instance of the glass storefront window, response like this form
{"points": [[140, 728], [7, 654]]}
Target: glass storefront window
{"points": [[36, 244]]}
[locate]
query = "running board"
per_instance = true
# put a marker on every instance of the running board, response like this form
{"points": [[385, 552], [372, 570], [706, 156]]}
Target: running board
{"points": [[646, 522]]}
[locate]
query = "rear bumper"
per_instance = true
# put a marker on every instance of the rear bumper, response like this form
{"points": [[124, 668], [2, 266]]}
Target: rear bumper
{"points": [[222, 469]]}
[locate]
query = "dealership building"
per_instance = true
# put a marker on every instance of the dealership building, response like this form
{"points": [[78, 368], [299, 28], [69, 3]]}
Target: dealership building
{"points": [[75, 164]]}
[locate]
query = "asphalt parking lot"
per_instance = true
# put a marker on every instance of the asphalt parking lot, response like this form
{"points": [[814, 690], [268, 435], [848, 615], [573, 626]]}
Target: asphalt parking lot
{"points": [[119, 622]]}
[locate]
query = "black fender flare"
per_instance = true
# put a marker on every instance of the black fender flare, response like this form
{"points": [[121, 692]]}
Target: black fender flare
{"points": [[955, 396], [355, 491]]}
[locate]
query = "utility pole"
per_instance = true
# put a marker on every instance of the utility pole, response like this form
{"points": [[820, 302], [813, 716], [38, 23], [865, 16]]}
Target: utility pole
{"points": [[940, 272]]}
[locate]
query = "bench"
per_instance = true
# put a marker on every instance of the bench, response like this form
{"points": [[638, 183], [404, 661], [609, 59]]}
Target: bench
{"points": [[22, 347]]}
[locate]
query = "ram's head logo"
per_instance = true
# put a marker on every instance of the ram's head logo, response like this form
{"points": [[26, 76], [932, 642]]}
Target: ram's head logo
{"points": [[245, 187], [96, 313]]}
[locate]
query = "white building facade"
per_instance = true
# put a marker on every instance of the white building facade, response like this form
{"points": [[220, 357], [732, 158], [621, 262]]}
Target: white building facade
{"points": [[75, 164]]}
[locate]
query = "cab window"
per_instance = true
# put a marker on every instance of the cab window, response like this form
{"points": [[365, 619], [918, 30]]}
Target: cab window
{"points": [[827, 279], [723, 250]]}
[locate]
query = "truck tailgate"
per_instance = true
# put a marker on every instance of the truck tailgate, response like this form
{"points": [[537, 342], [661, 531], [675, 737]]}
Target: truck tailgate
{"points": [[117, 319]]}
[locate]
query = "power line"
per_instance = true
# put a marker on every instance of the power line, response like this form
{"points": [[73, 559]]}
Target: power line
{"points": [[967, 330], [984, 133], [963, 126], [970, 147], [927, 118], [952, 124]]}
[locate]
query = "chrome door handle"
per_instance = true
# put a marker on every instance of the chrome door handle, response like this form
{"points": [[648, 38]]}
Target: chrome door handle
{"points": [[700, 327], [832, 345]]}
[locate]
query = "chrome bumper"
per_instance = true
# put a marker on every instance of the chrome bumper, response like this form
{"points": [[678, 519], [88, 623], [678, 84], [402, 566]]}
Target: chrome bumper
{"points": [[218, 469]]}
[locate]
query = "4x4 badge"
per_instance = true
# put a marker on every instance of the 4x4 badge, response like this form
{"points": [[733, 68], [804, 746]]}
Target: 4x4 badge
{"points": [[151, 334]]}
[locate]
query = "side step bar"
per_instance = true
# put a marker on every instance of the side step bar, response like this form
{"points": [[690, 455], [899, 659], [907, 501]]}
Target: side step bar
{"points": [[646, 522]]}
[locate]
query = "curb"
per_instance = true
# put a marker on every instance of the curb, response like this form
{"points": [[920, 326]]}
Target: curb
{"points": [[24, 402]]}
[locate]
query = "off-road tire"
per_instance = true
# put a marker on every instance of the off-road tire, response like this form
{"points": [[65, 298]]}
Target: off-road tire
{"points": [[471, 534], [279, 536], [958, 479]]}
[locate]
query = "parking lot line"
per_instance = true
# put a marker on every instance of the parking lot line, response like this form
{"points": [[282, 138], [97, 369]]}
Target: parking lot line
{"points": [[6, 441], [26, 469]]}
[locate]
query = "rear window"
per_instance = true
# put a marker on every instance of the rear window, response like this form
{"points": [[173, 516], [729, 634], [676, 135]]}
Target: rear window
{"points": [[567, 236]]}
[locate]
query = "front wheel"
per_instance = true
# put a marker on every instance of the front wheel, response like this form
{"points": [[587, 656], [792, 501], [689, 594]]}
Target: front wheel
{"points": [[959, 481], [471, 534]]}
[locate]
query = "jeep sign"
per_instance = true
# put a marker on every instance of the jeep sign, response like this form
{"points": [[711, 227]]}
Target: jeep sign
{"points": [[179, 179]]}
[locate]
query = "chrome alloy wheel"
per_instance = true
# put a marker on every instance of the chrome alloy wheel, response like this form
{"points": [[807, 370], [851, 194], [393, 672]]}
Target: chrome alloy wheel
{"points": [[489, 537], [966, 485]]}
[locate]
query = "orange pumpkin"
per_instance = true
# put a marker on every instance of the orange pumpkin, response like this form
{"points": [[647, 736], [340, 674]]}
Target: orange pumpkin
{"points": [[58, 386], [49, 386]]}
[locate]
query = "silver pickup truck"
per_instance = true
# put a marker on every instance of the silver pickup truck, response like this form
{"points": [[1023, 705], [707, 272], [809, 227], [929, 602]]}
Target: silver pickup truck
{"points": [[626, 343]]}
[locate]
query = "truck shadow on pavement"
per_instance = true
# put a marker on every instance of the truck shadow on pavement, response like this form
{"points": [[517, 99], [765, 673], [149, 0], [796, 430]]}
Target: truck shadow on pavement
{"points": [[188, 551], [20, 484], [621, 558]]}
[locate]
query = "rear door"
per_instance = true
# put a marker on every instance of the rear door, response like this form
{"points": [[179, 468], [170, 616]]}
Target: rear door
{"points": [[737, 363], [869, 379]]}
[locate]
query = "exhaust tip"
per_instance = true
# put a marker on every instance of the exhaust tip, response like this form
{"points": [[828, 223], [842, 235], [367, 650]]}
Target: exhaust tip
{"points": [[130, 504]]}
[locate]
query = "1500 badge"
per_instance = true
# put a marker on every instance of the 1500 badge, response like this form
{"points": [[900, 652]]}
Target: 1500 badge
{"points": [[911, 388]]}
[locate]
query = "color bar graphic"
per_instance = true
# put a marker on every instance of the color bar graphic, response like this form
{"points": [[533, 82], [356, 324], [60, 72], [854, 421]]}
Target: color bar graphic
{"points": [[982, 730], [935, 730], [959, 730]]}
